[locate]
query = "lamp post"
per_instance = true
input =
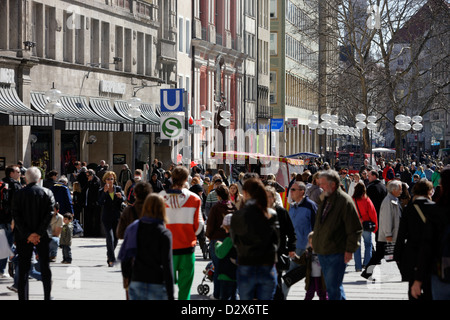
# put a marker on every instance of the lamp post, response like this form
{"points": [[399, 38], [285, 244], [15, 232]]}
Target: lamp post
{"points": [[404, 123], [134, 112], [313, 125], [52, 108]]}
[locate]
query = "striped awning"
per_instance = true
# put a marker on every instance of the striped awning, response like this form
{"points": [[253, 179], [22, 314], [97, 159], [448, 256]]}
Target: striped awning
{"points": [[14, 112], [143, 124], [149, 113], [76, 114], [103, 108]]}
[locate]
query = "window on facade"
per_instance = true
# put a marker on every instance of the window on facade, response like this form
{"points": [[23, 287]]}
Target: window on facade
{"points": [[119, 46], [180, 34], [188, 36], [273, 8], [37, 20], [105, 45], [273, 43], [273, 87], [95, 41], [148, 54], [50, 32], [140, 53], [128, 44], [67, 36], [79, 40]]}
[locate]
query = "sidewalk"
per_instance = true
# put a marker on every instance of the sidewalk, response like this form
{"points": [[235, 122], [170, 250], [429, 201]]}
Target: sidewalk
{"points": [[89, 278]]}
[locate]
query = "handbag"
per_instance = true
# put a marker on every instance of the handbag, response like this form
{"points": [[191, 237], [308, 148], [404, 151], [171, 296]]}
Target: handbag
{"points": [[367, 225], [295, 275]]}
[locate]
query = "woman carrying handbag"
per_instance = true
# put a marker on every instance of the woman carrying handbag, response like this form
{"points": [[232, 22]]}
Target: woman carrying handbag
{"points": [[368, 217]]}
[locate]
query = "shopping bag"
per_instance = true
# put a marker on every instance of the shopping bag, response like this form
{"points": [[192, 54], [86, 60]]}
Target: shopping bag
{"points": [[389, 251], [5, 249]]}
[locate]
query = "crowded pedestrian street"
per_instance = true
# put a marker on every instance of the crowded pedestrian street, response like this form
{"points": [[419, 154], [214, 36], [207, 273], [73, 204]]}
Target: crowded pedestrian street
{"points": [[89, 278]]}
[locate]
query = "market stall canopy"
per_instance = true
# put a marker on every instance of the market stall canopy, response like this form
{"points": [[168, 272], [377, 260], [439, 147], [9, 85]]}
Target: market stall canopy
{"points": [[385, 150], [304, 154]]}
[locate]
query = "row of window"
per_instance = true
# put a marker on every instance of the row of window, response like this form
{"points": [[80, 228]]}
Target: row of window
{"points": [[304, 55], [89, 41]]}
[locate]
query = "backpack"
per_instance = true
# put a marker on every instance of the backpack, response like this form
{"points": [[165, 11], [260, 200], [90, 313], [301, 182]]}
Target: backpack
{"points": [[444, 261], [130, 196]]}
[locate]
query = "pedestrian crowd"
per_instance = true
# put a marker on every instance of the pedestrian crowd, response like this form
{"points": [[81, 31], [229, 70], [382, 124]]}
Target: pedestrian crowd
{"points": [[259, 245]]}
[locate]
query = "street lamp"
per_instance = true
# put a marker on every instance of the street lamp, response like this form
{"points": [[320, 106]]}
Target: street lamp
{"points": [[52, 108], [134, 112], [313, 125], [404, 123]]}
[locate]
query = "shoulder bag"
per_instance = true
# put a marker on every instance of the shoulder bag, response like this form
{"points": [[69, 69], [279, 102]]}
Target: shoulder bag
{"points": [[367, 225]]}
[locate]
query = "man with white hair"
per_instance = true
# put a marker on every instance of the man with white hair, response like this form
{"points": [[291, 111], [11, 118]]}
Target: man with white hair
{"points": [[32, 210], [337, 232], [388, 224]]}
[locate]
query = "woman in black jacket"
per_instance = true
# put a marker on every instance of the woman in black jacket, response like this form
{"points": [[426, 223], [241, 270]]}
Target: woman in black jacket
{"points": [[409, 236], [255, 234], [288, 239], [110, 198]]}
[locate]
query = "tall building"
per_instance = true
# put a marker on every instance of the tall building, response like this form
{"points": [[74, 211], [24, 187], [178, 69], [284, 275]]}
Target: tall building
{"points": [[98, 54], [294, 72]]}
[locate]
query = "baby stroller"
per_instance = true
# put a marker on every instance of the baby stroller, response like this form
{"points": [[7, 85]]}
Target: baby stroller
{"points": [[202, 288]]}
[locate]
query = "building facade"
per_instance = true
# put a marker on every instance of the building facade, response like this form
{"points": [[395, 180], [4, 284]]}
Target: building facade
{"points": [[98, 54]]}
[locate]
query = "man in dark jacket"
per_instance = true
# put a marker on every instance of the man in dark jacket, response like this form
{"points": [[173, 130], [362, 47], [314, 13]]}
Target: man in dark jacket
{"points": [[337, 232], [92, 208], [32, 210], [12, 178]]}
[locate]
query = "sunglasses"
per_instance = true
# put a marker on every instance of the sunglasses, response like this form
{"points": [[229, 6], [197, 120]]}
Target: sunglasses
{"points": [[296, 189]]}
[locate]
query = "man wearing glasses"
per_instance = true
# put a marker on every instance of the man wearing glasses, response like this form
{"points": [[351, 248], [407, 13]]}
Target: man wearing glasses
{"points": [[302, 212]]}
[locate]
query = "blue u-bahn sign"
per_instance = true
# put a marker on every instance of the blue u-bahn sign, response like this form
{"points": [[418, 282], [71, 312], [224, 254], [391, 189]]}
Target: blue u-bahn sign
{"points": [[172, 100]]}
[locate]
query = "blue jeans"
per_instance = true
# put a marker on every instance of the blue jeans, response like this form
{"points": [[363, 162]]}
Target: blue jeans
{"points": [[147, 291], [256, 282], [53, 247], [440, 290], [215, 260], [367, 237], [333, 268], [228, 290]]}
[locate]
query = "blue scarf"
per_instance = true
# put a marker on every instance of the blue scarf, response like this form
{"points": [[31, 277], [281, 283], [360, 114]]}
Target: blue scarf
{"points": [[128, 249]]}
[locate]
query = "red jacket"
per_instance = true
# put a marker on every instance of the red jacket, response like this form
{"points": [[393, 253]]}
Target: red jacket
{"points": [[366, 210]]}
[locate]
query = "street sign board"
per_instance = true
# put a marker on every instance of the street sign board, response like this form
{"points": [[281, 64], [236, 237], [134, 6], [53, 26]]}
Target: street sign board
{"points": [[172, 100], [292, 123], [277, 125], [172, 127]]}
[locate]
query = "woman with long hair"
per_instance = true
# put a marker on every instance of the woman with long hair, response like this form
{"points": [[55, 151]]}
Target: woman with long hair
{"points": [[366, 211], [235, 196], [146, 254], [110, 199], [255, 234]]}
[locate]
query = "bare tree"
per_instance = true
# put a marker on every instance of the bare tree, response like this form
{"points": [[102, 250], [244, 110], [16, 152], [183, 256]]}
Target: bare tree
{"points": [[371, 38]]}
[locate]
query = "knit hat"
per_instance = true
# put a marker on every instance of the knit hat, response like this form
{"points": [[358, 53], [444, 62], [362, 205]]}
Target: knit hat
{"points": [[196, 188], [227, 220]]}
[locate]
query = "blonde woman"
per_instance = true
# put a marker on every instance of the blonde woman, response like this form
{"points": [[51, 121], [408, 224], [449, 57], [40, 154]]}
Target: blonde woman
{"points": [[110, 199]]}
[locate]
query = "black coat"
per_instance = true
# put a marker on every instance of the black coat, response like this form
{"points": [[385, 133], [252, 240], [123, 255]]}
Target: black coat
{"points": [[111, 208], [91, 192], [409, 237], [32, 210], [376, 191]]}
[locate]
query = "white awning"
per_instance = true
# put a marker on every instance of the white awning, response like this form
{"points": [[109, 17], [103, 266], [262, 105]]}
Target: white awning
{"points": [[14, 112]]}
